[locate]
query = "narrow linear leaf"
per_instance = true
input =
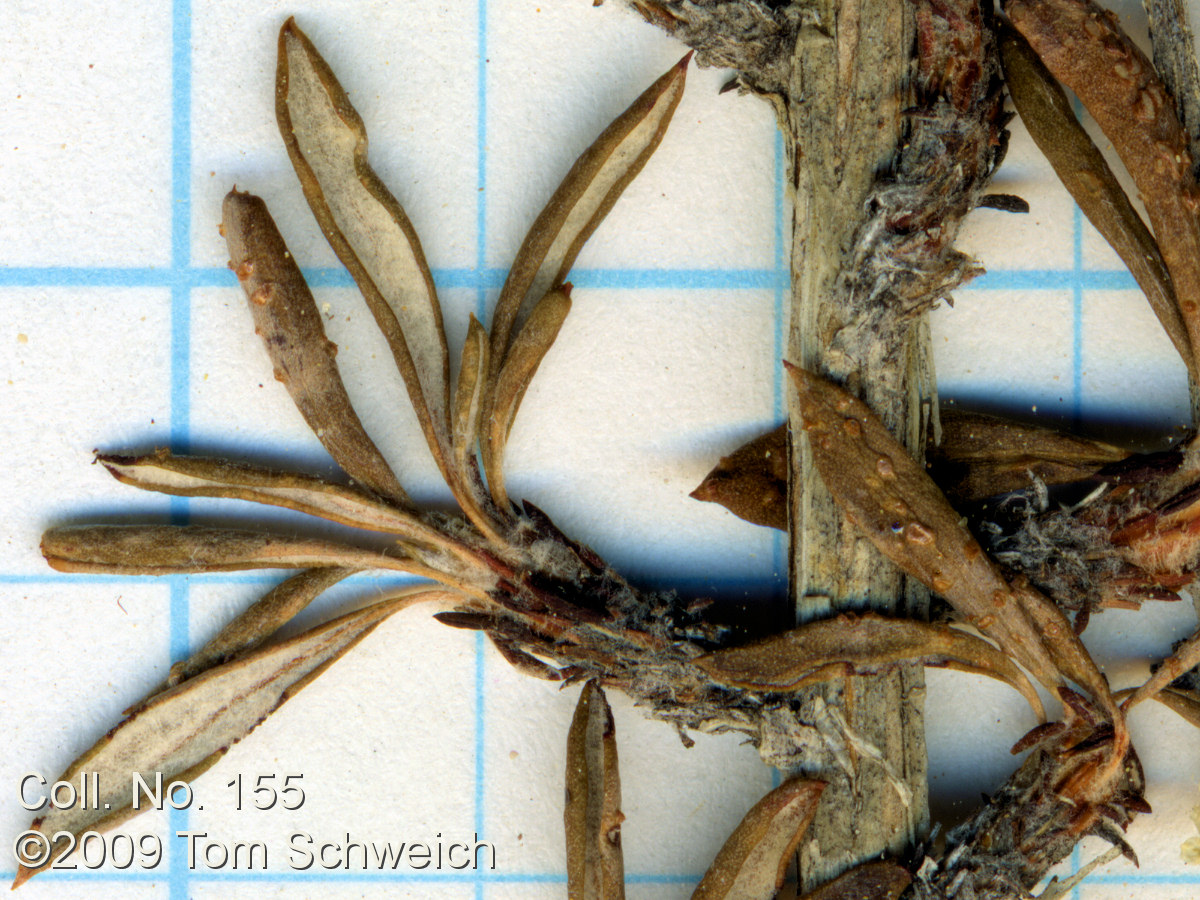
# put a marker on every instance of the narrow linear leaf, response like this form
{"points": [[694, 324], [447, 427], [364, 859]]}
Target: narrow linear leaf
{"points": [[1186, 656], [365, 225], [191, 476], [1079, 164], [752, 863], [752, 481], [469, 399], [849, 644], [981, 456], [259, 622], [526, 354], [1084, 47], [169, 549], [593, 817], [878, 880], [1185, 704], [908, 519], [287, 319], [1065, 648], [468, 395], [183, 731], [582, 201]]}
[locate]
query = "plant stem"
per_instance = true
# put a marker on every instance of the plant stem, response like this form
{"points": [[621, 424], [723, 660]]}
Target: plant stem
{"points": [[844, 121]]}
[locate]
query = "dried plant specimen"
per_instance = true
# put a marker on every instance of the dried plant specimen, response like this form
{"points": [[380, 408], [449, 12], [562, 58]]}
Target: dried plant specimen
{"points": [[1046, 111], [592, 809], [538, 616], [1085, 48]]}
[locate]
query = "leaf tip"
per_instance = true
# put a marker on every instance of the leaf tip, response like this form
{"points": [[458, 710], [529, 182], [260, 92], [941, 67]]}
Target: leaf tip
{"points": [[24, 873]]}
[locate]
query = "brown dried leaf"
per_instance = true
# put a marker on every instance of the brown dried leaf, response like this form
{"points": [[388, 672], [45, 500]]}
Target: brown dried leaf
{"points": [[366, 227], [878, 880], [172, 549], [258, 623], [1185, 703], [469, 399], [183, 731], [521, 364], [1067, 651], [752, 481], [752, 863], [849, 644], [981, 456], [1046, 111], [1084, 47], [593, 817], [904, 514], [191, 476], [468, 395], [287, 319], [1186, 656], [582, 201]]}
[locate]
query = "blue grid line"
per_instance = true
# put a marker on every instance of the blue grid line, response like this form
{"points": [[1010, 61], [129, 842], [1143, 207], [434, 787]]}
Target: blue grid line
{"points": [[481, 310], [483, 279], [480, 878], [181, 355], [1096, 879]]}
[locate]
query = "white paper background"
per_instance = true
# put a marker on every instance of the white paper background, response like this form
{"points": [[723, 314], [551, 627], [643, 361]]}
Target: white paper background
{"points": [[668, 360]]}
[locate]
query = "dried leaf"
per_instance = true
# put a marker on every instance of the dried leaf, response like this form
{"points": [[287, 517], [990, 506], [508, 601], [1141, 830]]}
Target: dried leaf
{"points": [[287, 319], [258, 623], [172, 549], [849, 644], [1046, 111], [1185, 657], [190, 476], [981, 456], [1185, 703], [878, 880], [183, 731], [752, 863], [1067, 651], [366, 227], [582, 201], [469, 399], [593, 817], [887, 494], [1084, 47], [752, 481], [521, 364], [468, 396]]}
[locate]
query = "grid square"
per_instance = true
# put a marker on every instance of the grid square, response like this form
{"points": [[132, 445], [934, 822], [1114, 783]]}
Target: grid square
{"points": [[1040, 240], [85, 177], [239, 409], [1018, 346], [680, 804], [65, 670], [340, 734], [1130, 371], [640, 426], [562, 85], [417, 101], [69, 383]]}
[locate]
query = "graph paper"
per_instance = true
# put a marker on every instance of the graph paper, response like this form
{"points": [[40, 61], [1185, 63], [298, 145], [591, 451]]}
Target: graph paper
{"points": [[121, 329]]}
